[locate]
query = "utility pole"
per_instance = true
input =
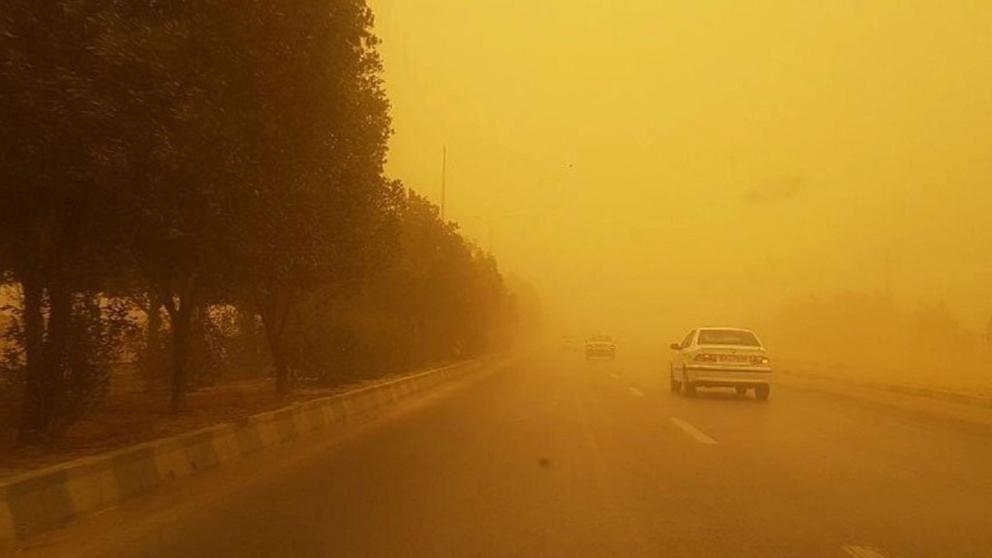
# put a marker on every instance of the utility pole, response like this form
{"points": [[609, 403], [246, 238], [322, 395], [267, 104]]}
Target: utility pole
{"points": [[444, 176], [888, 272]]}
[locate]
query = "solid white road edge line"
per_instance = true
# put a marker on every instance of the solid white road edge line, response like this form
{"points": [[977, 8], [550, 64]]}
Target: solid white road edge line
{"points": [[693, 432], [861, 551]]}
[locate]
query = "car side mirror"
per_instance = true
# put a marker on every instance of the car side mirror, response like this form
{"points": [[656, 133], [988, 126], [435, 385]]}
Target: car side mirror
{"points": [[675, 347]]}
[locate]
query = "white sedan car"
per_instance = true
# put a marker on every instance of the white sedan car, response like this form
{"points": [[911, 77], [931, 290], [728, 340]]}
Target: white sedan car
{"points": [[601, 346], [721, 357]]}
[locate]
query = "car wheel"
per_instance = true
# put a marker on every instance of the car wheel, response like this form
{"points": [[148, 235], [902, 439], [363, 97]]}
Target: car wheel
{"points": [[675, 385], [688, 388], [762, 392], [741, 391]]}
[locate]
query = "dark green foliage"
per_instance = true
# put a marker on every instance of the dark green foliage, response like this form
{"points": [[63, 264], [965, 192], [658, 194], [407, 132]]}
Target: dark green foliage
{"points": [[55, 203], [194, 157], [99, 332], [438, 298]]}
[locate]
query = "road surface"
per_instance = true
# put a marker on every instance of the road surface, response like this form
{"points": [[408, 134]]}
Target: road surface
{"points": [[557, 456]]}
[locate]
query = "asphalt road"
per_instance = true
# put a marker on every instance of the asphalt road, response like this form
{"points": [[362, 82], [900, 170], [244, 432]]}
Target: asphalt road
{"points": [[557, 456]]}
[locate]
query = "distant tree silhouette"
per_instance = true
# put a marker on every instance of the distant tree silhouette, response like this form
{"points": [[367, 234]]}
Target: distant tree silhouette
{"points": [[437, 298]]}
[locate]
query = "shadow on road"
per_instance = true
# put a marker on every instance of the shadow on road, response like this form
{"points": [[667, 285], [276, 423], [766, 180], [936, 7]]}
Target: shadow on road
{"points": [[703, 394]]}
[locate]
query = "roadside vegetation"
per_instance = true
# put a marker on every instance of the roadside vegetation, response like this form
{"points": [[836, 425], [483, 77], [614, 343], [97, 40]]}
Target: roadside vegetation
{"points": [[192, 194], [869, 337]]}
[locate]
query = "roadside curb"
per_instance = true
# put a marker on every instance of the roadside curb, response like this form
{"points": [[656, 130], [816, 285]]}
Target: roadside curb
{"points": [[48, 498], [919, 391]]}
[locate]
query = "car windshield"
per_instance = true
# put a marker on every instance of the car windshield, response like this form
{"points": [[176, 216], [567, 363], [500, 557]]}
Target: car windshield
{"points": [[600, 338], [728, 337]]}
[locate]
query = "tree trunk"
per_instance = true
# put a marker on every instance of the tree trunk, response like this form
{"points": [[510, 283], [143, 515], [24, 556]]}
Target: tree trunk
{"points": [[273, 334], [282, 367], [153, 357], [34, 334], [274, 307], [249, 348], [56, 357], [181, 327], [180, 319], [46, 361]]}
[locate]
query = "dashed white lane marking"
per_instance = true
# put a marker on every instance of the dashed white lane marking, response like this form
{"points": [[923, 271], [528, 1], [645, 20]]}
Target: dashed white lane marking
{"points": [[614, 375], [693, 432], [636, 391], [861, 551]]}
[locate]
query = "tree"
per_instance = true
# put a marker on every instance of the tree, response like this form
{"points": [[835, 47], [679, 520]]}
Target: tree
{"points": [[201, 153], [179, 157], [316, 123], [436, 298], [255, 137], [56, 221]]}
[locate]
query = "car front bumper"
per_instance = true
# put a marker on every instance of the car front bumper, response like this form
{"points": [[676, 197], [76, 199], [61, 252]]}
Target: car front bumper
{"points": [[726, 376]]}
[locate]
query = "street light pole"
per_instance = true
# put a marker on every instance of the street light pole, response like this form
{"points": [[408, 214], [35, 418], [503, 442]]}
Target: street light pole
{"points": [[444, 176]]}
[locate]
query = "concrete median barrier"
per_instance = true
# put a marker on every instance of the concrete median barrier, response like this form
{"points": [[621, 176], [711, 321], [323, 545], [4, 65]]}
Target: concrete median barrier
{"points": [[41, 500]]}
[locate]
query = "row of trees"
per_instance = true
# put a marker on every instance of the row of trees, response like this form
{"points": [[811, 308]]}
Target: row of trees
{"points": [[197, 154], [439, 298]]}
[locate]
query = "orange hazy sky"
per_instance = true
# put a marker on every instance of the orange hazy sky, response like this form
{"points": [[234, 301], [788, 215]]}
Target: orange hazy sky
{"points": [[699, 159]]}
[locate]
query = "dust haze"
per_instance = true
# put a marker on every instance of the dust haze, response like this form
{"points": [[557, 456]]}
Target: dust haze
{"points": [[819, 172], [495, 278]]}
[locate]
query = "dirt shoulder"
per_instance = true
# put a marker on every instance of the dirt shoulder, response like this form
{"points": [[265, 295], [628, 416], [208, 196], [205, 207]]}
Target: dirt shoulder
{"points": [[975, 381]]}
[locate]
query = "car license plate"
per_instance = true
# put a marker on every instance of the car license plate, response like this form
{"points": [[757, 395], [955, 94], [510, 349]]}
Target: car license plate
{"points": [[735, 358]]}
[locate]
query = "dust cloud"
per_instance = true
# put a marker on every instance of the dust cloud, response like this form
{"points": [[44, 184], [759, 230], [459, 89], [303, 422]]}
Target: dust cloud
{"points": [[817, 171]]}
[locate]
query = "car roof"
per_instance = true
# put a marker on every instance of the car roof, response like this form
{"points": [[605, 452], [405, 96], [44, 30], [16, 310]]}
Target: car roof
{"points": [[708, 328]]}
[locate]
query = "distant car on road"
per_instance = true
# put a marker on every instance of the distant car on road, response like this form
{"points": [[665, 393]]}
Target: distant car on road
{"points": [[601, 346], [721, 357]]}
